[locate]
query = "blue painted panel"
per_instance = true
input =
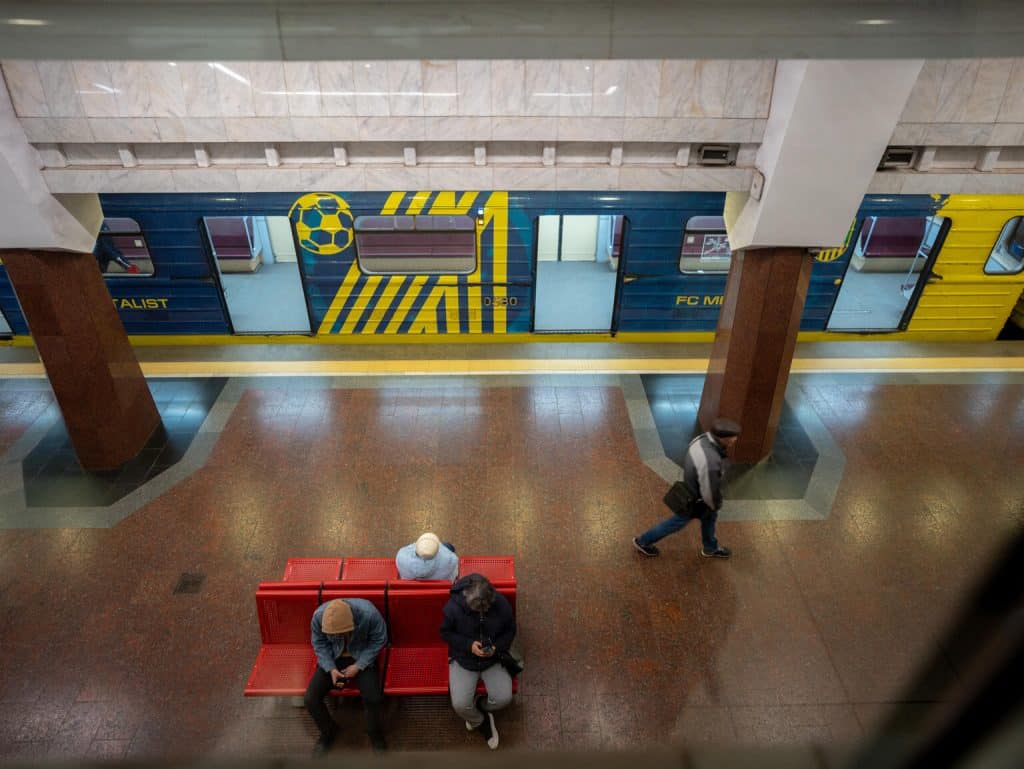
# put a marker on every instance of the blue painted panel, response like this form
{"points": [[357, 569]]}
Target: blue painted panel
{"points": [[9, 305]]}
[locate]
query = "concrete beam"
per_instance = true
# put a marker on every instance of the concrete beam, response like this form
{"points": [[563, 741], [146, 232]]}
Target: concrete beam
{"points": [[828, 126], [30, 217]]}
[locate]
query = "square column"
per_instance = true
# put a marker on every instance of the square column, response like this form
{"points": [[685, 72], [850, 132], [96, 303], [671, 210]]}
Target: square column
{"points": [[92, 368], [754, 345]]}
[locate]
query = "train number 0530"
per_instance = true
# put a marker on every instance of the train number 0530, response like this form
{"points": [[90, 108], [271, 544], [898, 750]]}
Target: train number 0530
{"points": [[501, 301]]}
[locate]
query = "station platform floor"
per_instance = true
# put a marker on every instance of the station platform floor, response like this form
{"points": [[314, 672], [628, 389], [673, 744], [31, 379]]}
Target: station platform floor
{"points": [[127, 618]]}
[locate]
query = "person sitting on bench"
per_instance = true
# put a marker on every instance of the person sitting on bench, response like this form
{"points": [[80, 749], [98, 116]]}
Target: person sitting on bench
{"points": [[478, 627], [428, 558], [347, 635]]}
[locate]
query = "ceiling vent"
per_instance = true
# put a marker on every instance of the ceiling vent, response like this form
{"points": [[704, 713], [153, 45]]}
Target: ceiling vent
{"points": [[898, 157], [716, 155]]}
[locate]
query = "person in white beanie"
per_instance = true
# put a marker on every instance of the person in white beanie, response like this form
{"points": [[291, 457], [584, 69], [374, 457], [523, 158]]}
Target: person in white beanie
{"points": [[428, 558]]}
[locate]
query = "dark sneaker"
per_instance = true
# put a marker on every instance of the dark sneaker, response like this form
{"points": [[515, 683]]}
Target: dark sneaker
{"points": [[649, 550], [322, 745], [721, 552]]}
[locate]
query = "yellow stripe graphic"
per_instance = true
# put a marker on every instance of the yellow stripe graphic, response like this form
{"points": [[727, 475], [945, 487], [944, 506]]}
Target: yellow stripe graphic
{"points": [[411, 293], [390, 290], [446, 365], [418, 201], [426, 318], [360, 305], [339, 299], [496, 215], [393, 202]]}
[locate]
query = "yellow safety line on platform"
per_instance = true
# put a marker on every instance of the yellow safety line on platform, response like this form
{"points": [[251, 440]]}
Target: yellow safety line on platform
{"points": [[532, 366]]}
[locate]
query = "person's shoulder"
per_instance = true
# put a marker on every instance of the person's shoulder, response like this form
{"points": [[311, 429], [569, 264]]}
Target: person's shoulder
{"points": [[363, 605]]}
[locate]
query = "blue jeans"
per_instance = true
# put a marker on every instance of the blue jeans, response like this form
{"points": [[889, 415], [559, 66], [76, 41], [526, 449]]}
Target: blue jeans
{"points": [[675, 522]]}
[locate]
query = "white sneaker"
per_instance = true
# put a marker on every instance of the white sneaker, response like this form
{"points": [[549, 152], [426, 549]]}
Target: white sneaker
{"points": [[492, 738]]}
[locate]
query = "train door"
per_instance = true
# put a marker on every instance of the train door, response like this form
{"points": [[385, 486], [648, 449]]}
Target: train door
{"points": [[577, 269], [883, 279], [258, 270]]}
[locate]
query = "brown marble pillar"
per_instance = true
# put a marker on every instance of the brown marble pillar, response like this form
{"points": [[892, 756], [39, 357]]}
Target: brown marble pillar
{"points": [[754, 344], [107, 406]]}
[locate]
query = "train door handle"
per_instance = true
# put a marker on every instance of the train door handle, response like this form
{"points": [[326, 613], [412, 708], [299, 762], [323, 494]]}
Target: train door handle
{"points": [[934, 277], [629, 278]]}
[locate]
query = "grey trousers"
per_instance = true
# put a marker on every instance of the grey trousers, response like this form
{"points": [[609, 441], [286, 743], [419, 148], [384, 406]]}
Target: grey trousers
{"points": [[462, 684]]}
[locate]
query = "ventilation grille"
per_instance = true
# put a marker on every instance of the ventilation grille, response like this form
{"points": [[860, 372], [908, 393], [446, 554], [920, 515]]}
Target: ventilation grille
{"points": [[716, 155], [898, 157]]}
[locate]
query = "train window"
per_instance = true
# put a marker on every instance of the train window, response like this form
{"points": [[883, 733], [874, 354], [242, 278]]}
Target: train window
{"points": [[705, 248], [121, 249], [416, 245], [1007, 256]]}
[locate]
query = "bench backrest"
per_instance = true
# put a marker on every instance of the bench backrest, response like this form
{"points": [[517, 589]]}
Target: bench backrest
{"points": [[342, 590], [369, 568], [415, 612], [497, 568], [284, 615]]}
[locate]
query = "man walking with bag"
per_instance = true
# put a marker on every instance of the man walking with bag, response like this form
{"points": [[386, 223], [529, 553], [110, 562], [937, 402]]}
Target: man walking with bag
{"points": [[702, 478]]}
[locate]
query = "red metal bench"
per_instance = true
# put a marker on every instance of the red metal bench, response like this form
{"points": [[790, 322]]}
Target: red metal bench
{"points": [[286, 660], [419, 658], [416, 659]]}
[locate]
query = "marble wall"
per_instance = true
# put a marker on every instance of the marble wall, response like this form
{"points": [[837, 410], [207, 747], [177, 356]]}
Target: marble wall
{"points": [[965, 102], [534, 123], [388, 100]]}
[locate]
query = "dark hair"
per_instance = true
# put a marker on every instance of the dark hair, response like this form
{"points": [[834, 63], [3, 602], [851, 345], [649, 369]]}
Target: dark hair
{"points": [[479, 594]]}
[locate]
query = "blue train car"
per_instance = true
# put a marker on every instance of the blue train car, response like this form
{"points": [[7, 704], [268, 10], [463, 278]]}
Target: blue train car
{"points": [[490, 264]]}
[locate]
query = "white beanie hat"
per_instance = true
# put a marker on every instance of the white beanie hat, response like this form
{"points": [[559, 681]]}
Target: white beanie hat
{"points": [[427, 545]]}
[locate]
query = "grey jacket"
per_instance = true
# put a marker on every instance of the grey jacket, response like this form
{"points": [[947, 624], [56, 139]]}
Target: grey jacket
{"points": [[369, 636], [703, 466]]}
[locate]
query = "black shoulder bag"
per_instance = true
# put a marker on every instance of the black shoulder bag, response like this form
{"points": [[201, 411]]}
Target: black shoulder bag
{"points": [[678, 498]]}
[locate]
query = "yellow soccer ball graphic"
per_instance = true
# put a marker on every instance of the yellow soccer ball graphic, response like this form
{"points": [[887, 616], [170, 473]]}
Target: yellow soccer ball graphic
{"points": [[323, 223]]}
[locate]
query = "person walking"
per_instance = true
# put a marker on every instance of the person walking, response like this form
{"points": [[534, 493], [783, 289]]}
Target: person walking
{"points": [[703, 466]]}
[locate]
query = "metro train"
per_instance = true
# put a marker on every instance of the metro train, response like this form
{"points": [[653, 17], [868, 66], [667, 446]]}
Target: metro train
{"points": [[499, 265]]}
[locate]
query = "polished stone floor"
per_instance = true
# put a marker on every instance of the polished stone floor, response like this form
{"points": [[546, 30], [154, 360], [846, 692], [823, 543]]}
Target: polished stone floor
{"points": [[810, 632], [53, 477]]}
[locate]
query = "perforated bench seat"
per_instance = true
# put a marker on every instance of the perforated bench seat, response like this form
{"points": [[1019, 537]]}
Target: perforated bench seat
{"points": [[312, 569], [413, 670], [281, 670], [369, 569]]}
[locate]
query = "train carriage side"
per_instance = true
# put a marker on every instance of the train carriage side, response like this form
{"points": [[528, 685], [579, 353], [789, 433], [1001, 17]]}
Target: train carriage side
{"points": [[669, 269], [978, 277]]}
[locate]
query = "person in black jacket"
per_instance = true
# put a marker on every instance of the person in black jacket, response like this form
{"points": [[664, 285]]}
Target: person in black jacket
{"points": [[478, 625]]}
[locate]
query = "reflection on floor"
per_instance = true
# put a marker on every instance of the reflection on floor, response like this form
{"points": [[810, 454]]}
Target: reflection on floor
{"points": [[574, 296], [268, 300], [870, 301], [54, 478], [784, 475]]}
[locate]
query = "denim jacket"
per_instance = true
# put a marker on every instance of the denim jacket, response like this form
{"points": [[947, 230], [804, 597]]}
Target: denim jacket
{"points": [[368, 637]]}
